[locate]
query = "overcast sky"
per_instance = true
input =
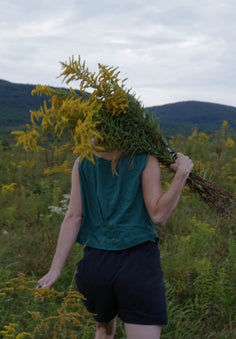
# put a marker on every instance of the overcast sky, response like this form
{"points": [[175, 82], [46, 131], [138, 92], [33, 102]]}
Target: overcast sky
{"points": [[170, 51]]}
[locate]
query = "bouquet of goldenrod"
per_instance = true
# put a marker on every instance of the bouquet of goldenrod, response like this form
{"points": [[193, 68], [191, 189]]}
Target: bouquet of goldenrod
{"points": [[104, 115]]}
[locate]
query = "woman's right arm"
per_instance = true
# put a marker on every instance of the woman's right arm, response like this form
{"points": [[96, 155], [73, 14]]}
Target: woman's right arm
{"points": [[161, 205], [68, 233]]}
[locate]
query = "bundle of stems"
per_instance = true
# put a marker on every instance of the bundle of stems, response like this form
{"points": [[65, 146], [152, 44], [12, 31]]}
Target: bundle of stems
{"points": [[108, 118], [137, 132]]}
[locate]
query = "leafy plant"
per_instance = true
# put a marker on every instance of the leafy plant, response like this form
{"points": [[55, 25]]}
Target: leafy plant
{"points": [[46, 313]]}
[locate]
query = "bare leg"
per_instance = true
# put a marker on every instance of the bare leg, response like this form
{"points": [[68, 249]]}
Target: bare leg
{"points": [[134, 331], [106, 330]]}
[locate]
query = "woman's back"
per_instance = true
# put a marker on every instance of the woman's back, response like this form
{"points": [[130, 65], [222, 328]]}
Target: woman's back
{"points": [[114, 212]]}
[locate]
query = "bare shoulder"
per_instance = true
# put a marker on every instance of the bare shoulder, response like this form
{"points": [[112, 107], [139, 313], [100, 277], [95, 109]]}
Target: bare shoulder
{"points": [[77, 160], [76, 163], [152, 164], [151, 173]]}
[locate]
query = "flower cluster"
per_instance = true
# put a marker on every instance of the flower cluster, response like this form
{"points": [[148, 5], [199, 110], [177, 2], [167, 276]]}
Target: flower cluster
{"points": [[64, 206], [63, 168], [77, 111], [8, 189]]}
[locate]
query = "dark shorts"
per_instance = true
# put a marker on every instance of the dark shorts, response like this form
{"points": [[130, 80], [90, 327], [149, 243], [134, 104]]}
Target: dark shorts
{"points": [[128, 283]]}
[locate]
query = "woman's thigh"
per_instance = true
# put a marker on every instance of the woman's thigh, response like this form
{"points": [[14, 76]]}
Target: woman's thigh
{"points": [[134, 331]]}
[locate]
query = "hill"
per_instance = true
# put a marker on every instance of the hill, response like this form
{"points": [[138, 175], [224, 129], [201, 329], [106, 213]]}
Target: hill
{"points": [[16, 101], [181, 117]]}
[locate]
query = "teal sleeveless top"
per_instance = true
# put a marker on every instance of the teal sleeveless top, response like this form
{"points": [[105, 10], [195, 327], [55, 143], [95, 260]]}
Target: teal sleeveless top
{"points": [[114, 212]]}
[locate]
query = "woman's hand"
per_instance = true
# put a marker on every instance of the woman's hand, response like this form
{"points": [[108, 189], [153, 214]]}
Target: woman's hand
{"points": [[49, 279], [182, 164]]}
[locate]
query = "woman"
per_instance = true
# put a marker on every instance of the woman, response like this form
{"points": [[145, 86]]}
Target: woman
{"points": [[113, 215]]}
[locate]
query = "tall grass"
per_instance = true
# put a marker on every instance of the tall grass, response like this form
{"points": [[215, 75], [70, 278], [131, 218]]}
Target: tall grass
{"points": [[197, 247]]}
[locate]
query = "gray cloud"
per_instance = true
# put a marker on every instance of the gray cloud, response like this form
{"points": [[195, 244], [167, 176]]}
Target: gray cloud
{"points": [[170, 51]]}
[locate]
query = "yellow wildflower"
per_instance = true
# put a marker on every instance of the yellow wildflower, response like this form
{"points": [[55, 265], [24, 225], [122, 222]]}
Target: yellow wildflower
{"points": [[42, 293], [28, 138], [58, 150], [9, 330], [27, 163], [24, 335], [224, 125], [8, 189], [193, 136], [203, 136], [35, 315], [229, 142], [63, 168]]}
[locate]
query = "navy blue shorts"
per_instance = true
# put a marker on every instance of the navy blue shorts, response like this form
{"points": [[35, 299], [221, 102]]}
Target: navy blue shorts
{"points": [[128, 283]]}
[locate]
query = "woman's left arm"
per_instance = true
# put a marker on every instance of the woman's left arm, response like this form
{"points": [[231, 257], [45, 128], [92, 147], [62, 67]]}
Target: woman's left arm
{"points": [[69, 231]]}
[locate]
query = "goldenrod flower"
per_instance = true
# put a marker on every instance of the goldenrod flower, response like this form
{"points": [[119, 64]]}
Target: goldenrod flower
{"points": [[8, 189], [224, 125], [9, 330], [229, 142], [203, 136], [24, 335], [63, 168]]}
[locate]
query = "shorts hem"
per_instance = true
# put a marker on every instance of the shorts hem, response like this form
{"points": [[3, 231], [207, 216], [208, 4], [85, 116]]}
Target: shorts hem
{"points": [[104, 320]]}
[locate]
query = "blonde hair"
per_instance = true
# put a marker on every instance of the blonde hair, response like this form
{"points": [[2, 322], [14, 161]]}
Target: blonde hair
{"points": [[117, 154], [115, 162]]}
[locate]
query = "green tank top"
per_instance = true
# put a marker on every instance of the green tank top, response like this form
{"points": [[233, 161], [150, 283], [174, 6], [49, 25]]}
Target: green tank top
{"points": [[114, 212]]}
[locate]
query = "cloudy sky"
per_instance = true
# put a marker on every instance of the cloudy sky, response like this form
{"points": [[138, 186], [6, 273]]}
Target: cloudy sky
{"points": [[170, 51]]}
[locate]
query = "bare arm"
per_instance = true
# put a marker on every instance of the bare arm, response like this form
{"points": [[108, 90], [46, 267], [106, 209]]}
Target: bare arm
{"points": [[161, 205], [68, 233]]}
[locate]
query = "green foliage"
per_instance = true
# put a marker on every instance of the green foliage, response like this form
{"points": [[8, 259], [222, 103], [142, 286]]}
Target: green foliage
{"points": [[135, 131], [199, 276], [197, 247], [43, 313]]}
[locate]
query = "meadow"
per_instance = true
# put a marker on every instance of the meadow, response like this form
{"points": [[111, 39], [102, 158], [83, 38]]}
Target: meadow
{"points": [[197, 246]]}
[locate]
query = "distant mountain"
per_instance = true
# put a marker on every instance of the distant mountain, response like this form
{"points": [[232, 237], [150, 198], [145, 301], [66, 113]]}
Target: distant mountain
{"points": [[15, 102], [181, 117], [177, 118]]}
